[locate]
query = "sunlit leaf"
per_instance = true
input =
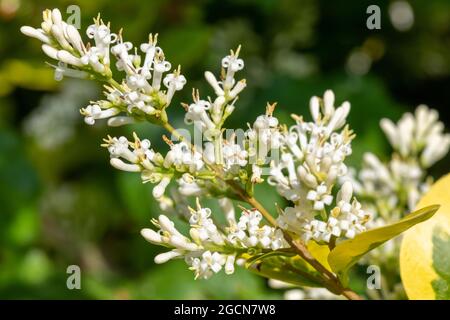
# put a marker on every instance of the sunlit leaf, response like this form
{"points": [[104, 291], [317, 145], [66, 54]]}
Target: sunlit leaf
{"points": [[320, 252], [348, 252], [424, 253]]}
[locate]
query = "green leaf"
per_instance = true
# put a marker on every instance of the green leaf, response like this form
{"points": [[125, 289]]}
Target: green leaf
{"points": [[289, 269], [441, 264], [260, 257], [348, 252]]}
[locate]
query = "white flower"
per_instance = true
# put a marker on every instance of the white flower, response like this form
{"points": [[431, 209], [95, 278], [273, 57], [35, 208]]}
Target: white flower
{"points": [[187, 186], [119, 147], [312, 161], [140, 101], [206, 230], [416, 134], [233, 155], [264, 135], [256, 174], [228, 89], [250, 233], [160, 188], [174, 82], [35, 33], [229, 264], [231, 64], [320, 197], [208, 248], [166, 256], [197, 114], [94, 112], [228, 209], [209, 76], [63, 42], [103, 39], [208, 264], [306, 293], [138, 156], [124, 60], [344, 197], [180, 155], [159, 67], [138, 80], [437, 147], [150, 49]]}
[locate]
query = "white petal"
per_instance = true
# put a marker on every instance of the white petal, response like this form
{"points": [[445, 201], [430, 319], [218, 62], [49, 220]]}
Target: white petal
{"points": [[50, 51], [151, 235], [166, 256]]}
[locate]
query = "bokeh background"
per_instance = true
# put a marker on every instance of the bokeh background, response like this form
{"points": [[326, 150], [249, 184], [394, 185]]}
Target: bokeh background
{"points": [[62, 204]]}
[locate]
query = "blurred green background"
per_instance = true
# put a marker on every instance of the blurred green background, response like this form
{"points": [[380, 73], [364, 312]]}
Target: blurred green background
{"points": [[62, 204]]}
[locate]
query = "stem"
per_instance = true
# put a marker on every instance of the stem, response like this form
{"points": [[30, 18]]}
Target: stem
{"points": [[218, 150], [173, 131], [332, 243], [332, 282], [115, 84], [253, 202], [351, 295]]}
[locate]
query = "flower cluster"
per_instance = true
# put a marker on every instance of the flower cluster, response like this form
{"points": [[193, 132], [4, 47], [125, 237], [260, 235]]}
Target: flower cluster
{"points": [[418, 135], [139, 96], [418, 142], [264, 136], [229, 154], [192, 166], [312, 160], [181, 163], [208, 116], [208, 249]]}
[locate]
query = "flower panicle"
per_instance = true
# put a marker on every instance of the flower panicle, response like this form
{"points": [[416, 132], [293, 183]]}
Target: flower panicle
{"points": [[208, 248], [142, 94]]}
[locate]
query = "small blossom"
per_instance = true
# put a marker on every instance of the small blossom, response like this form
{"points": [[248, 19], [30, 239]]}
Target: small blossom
{"points": [[320, 197], [95, 112], [207, 250], [174, 82]]}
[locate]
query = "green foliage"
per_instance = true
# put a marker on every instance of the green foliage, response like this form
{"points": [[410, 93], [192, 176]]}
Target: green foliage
{"points": [[441, 264], [287, 268]]}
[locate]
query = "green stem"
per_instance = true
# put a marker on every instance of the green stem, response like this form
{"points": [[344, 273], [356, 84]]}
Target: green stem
{"points": [[115, 84], [173, 131]]}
